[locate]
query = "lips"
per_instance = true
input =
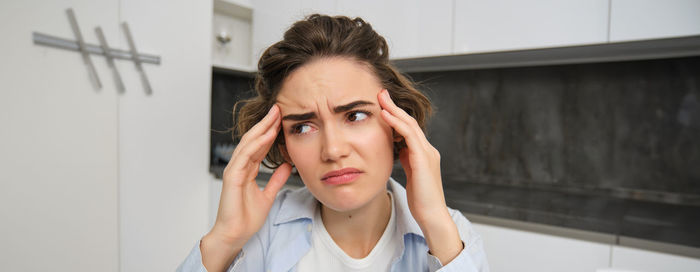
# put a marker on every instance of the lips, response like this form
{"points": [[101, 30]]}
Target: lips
{"points": [[342, 176]]}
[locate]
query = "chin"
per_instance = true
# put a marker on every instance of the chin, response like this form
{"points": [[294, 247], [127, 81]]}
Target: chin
{"points": [[344, 206], [350, 198], [343, 200]]}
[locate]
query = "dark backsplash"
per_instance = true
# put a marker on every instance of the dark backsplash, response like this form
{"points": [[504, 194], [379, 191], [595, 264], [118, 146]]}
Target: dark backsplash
{"points": [[608, 147], [227, 89]]}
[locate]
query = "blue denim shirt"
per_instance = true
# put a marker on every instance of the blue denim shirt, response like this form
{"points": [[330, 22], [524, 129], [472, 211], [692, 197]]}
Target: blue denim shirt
{"points": [[286, 237]]}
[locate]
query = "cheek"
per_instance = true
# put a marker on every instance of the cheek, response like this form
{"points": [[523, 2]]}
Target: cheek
{"points": [[299, 151], [377, 140], [386, 133]]}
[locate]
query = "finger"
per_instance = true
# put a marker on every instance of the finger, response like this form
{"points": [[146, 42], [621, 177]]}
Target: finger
{"points": [[251, 154], [271, 120], [263, 125], [258, 147], [277, 180], [409, 134], [388, 104], [245, 160]]}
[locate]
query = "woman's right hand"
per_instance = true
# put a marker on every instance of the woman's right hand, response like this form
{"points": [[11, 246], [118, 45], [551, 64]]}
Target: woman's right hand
{"points": [[243, 207]]}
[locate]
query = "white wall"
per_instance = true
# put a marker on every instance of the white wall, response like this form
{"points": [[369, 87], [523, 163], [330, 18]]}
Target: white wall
{"points": [[164, 138], [58, 143], [92, 180]]}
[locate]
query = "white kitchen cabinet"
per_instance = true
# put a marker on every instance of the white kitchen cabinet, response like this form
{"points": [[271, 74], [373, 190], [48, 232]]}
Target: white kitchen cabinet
{"points": [[653, 19], [413, 28], [243, 3], [416, 28], [164, 138], [384, 16], [58, 142], [516, 250], [270, 20], [632, 259], [235, 52], [93, 180], [483, 26], [509, 249], [232, 20]]}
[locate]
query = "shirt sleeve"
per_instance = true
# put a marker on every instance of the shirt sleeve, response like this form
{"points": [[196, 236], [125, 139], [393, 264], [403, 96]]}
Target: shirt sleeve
{"points": [[463, 262], [255, 247], [193, 262], [471, 258]]}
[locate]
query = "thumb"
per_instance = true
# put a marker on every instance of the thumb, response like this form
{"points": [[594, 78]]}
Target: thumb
{"points": [[277, 180]]}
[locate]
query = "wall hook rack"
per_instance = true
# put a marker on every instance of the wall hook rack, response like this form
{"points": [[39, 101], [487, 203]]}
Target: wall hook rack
{"points": [[102, 49]]}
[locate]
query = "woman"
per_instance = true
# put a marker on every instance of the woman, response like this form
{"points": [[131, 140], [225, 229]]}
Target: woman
{"points": [[330, 104]]}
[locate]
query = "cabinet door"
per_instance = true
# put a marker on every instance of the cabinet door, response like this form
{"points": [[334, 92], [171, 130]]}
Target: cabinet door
{"points": [[236, 52], [652, 19], [632, 259], [270, 20], [413, 28], [164, 137], [512, 24], [523, 251], [58, 142]]}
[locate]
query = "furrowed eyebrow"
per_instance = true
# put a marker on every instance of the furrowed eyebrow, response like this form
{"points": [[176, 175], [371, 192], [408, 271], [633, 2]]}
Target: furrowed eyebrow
{"points": [[300, 117], [338, 109], [351, 105]]}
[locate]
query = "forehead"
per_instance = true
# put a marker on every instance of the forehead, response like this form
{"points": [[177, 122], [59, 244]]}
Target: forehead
{"points": [[330, 81]]}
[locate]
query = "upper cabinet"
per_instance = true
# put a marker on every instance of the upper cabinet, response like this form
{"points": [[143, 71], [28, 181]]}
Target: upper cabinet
{"points": [[412, 28], [60, 143], [415, 29], [270, 20], [231, 36], [84, 169], [497, 25], [653, 19]]}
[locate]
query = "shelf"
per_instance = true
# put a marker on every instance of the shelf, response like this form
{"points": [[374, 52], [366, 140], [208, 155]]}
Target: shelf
{"points": [[237, 8], [234, 68], [231, 37], [622, 51]]}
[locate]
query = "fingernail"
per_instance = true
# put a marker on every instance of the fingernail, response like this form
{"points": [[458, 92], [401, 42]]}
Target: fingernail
{"points": [[271, 108]]}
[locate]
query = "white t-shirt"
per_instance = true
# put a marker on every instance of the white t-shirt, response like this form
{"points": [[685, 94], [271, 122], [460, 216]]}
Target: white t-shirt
{"points": [[326, 255]]}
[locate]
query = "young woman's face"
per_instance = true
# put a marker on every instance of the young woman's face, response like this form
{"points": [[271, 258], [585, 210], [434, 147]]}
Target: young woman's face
{"points": [[334, 134]]}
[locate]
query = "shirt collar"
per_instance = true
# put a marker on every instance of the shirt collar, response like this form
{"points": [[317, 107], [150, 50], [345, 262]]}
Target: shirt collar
{"points": [[405, 223], [301, 204]]}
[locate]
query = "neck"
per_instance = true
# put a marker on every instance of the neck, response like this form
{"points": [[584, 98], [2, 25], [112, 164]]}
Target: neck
{"points": [[359, 230]]}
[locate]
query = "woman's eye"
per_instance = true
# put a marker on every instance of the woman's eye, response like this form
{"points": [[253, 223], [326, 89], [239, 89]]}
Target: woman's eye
{"points": [[301, 129], [357, 116]]}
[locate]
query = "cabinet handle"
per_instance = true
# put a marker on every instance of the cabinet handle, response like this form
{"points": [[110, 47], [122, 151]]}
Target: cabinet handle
{"points": [[223, 37]]}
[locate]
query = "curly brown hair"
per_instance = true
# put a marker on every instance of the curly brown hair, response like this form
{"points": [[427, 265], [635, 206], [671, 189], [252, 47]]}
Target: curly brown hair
{"points": [[321, 36]]}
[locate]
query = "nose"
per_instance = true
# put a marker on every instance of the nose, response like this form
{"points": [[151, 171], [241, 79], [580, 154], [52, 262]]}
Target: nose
{"points": [[334, 144]]}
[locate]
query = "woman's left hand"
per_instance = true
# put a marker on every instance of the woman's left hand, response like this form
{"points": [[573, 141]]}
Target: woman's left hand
{"points": [[426, 199]]}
